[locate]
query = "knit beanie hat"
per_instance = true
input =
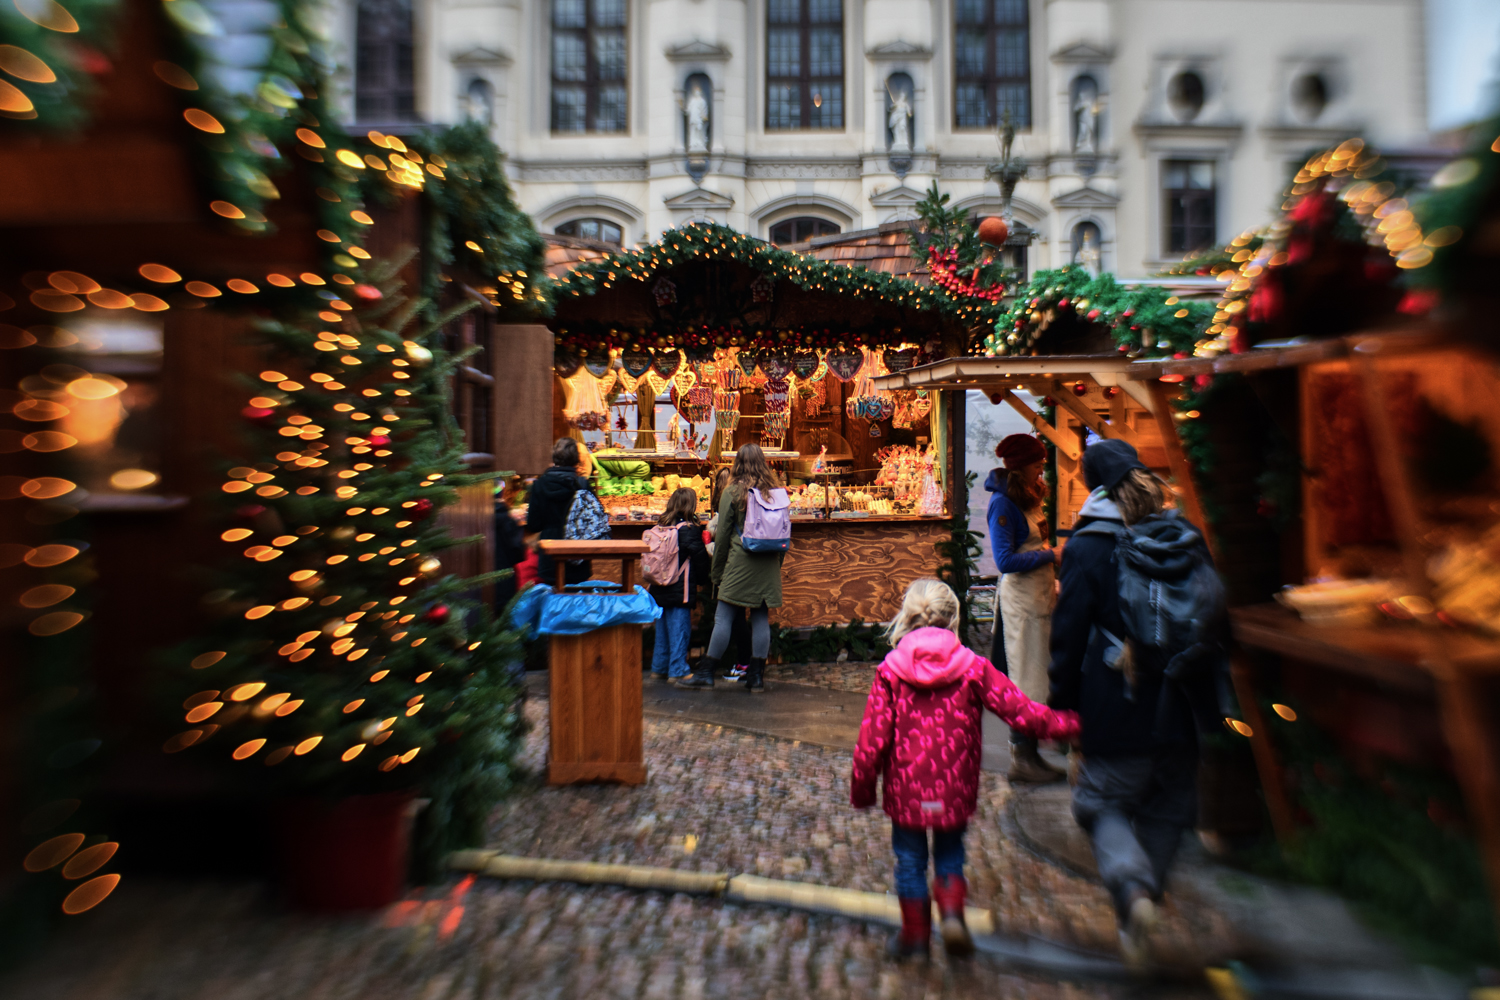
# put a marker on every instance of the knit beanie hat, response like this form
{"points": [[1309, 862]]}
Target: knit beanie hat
{"points": [[1019, 450], [1107, 462]]}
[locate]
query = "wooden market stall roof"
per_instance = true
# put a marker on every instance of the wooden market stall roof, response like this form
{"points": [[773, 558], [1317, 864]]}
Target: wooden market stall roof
{"points": [[885, 248]]}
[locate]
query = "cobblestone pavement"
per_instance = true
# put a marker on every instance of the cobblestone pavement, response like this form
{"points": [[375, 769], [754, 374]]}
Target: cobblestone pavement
{"points": [[852, 676], [749, 803]]}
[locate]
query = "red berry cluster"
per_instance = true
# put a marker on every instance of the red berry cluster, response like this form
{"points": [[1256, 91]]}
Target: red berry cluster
{"points": [[943, 266]]}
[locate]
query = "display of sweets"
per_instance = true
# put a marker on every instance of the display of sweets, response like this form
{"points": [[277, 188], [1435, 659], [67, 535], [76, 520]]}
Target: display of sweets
{"points": [[813, 497], [903, 467]]}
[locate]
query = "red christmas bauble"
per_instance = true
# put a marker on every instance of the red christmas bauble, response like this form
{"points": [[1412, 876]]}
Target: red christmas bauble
{"points": [[422, 508], [993, 231], [258, 415], [378, 440], [1111, 391], [997, 398], [437, 614], [368, 292], [1080, 389]]}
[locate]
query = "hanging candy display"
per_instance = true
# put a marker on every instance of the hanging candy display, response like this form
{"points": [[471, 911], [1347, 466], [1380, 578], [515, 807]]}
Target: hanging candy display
{"points": [[727, 402], [778, 415]]}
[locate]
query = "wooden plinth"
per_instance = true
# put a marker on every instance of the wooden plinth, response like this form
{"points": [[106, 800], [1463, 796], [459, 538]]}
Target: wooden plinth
{"points": [[595, 707]]}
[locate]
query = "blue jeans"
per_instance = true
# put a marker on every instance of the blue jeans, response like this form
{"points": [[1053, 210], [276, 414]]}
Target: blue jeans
{"points": [[911, 857], [670, 655]]}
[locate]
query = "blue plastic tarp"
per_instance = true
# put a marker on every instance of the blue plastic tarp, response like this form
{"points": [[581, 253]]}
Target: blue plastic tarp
{"points": [[577, 613]]}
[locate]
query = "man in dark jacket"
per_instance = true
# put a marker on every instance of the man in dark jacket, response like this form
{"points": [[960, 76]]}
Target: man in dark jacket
{"points": [[1137, 789], [549, 501]]}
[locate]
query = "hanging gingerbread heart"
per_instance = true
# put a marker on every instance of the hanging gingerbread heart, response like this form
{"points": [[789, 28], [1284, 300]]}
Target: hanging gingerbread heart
{"points": [[636, 363], [653, 383], [776, 364], [900, 361], [845, 364], [666, 362], [596, 363], [804, 363], [565, 364], [747, 361], [684, 380]]}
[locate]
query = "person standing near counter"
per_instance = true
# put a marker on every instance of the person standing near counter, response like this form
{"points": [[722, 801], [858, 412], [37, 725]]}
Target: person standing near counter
{"points": [[549, 501], [743, 579], [1028, 590]]}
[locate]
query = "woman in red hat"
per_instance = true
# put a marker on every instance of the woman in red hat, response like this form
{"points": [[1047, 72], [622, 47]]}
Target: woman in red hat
{"points": [[1027, 591]]}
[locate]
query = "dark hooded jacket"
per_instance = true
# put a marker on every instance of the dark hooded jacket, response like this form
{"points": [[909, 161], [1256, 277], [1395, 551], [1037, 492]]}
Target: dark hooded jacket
{"points": [[548, 502], [1117, 720]]}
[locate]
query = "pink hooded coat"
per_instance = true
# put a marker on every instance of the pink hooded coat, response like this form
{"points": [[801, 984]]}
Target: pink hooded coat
{"points": [[921, 731]]}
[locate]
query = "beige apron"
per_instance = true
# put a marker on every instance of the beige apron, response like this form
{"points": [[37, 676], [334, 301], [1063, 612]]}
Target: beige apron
{"points": [[1026, 602]]}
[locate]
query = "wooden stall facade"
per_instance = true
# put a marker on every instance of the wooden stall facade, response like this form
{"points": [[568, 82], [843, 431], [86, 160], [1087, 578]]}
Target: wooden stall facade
{"points": [[1415, 691]]}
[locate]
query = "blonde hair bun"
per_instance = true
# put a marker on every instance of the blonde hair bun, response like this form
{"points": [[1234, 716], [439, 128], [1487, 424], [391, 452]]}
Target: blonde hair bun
{"points": [[928, 604]]}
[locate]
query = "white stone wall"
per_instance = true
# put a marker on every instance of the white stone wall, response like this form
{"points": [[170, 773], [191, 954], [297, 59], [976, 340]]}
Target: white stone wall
{"points": [[1248, 53]]}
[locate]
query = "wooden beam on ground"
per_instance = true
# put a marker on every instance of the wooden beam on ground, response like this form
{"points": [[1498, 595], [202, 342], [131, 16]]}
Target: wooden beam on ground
{"points": [[1046, 430], [1094, 422], [1177, 460]]}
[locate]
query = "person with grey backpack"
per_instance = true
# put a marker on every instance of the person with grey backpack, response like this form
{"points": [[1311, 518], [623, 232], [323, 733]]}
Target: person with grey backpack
{"points": [[559, 507], [752, 538], [1139, 651]]}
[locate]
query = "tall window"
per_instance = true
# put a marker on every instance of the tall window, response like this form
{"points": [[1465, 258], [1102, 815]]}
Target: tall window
{"points": [[1189, 203], [801, 229], [588, 66], [992, 63], [592, 229], [804, 64], [384, 77]]}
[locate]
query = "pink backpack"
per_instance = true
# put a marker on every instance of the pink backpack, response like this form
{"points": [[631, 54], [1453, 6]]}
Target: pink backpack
{"points": [[660, 565], [768, 521]]}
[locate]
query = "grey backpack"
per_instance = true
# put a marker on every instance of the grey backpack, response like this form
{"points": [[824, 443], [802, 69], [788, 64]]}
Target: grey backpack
{"points": [[1172, 602]]}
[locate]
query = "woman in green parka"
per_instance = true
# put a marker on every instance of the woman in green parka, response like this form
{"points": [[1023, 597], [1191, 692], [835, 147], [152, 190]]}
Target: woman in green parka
{"points": [[743, 579]]}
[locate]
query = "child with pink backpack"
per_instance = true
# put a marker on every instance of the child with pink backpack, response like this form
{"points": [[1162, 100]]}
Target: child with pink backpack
{"points": [[674, 569], [753, 535], [921, 737]]}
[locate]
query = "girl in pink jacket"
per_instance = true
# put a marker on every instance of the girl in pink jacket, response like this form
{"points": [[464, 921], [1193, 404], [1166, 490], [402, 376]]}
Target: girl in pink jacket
{"points": [[921, 735]]}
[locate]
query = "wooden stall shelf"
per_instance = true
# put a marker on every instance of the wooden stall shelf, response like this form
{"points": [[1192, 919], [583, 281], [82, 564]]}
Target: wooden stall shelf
{"points": [[595, 703]]}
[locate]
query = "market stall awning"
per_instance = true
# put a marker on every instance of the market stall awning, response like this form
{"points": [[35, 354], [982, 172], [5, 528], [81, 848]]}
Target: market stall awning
{"points": [[998, 374]]}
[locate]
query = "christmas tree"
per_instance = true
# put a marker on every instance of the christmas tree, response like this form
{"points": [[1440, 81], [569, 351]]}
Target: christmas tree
{"points": [[343, 660]]}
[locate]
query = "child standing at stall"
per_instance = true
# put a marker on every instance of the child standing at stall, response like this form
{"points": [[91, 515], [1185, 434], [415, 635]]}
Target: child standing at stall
{"points": [[921, 736], [675, 586]]}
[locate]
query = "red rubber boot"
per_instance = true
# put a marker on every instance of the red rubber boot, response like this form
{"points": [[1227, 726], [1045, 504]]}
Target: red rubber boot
{"points": [[950, 892], [915, 936]]}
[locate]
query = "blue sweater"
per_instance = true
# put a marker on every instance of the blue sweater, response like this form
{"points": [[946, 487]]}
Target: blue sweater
{"points": [[1009, 530]]}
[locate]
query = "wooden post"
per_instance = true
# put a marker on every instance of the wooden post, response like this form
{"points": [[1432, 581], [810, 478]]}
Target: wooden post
{"points": [[1272, 780], [1182, 469], [521, 428], [1046, 430]]}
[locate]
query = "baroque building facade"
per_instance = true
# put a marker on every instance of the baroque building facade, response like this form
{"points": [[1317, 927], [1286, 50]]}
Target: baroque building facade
{"points": [[1147, 127]]}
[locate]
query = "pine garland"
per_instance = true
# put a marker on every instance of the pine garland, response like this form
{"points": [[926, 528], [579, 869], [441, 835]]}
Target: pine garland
{"points": [[68, 47]]}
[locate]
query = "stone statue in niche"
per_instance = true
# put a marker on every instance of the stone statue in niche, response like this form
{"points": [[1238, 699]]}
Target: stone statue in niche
{"points": [[899, 120], [696, 109], [1086, 118]]}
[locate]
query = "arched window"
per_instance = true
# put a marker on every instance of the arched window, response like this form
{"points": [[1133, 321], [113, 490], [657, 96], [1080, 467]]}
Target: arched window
{"points": [[992, 63], [384, 73], [592, 229], [588, 66], [801, 229]]}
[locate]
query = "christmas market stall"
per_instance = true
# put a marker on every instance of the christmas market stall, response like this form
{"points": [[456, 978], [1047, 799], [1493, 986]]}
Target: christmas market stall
{"points": [[1342, 404], [673, 355], [228, 410]]}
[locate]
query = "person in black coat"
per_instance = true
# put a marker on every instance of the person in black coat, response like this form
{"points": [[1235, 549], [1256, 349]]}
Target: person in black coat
{"points": [[549, 501], [1137, 788], [669, 659]]}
